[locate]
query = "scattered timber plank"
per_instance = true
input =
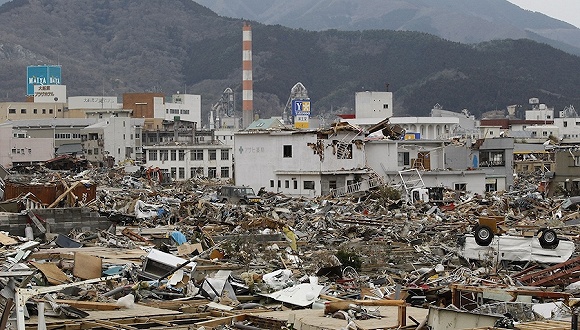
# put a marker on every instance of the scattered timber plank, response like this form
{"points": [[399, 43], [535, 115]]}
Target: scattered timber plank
{"points": [[334, 306], [89, 305], [133, 235], [53, 274], [64, 194], [7, 240], [87, 267]]}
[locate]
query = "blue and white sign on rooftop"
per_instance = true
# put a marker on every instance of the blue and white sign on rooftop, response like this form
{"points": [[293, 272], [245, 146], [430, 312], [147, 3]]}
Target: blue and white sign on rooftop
{"points": [[301, 107], [42, 75]]}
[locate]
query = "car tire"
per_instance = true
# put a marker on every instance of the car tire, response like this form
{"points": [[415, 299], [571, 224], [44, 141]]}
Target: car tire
{"points": [[483, 235], [548, 238]]}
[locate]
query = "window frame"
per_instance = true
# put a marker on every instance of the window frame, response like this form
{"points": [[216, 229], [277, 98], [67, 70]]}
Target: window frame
{"points": [[287, 151]]}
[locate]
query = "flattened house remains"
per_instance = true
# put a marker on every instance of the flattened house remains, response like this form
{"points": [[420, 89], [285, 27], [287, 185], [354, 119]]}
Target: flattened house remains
{"points": [[338, 242]]}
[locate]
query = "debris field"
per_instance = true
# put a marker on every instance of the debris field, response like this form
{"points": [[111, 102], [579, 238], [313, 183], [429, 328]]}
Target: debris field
{"points": [[173, 256]]}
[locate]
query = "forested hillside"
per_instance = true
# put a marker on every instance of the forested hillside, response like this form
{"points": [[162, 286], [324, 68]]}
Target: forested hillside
{"points": [[166, 46]]}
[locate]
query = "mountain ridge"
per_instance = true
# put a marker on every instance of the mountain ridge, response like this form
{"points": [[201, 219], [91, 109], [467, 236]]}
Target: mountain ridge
{"points": [[466, 21], [122, 46]]}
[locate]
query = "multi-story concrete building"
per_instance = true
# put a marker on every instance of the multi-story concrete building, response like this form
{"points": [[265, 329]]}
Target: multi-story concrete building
{"points": [[64, 132], [18, 148], [182, 161], [538, 126], [567, 172], [430, 128], [183, 107], [96, 107], [31, 110], [376, 105], [183, 152], [154, 108], [394, 160], [113, 140], [301, 162], [492, 156], [569, 126]]}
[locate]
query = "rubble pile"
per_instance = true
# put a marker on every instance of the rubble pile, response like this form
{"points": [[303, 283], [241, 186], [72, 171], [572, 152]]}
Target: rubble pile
{"points": [[175, 256]]}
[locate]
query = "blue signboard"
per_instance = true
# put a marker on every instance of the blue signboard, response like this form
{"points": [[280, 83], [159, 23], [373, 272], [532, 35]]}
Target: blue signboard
{"points": [[301, 108], [42, 75]]}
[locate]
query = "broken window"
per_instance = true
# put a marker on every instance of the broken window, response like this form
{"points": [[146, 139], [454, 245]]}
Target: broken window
{"points": [[211, 172], [163, 155], [403, 159], [491, 158], [182, 172], [286, 184], [181, 155], [225, 172], [287, 151], [491, 186], [272, 183], [195, 171], [309, 185], [212, 154], [460, 186], [344, 151], [173, 155], [152, 154]]}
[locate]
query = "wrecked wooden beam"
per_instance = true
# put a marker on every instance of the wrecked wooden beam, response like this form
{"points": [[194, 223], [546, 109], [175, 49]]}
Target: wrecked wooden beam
{"points": [[335, 306]]}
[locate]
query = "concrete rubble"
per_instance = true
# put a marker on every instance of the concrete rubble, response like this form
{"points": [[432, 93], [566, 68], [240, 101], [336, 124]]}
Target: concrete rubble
{"points": [[147, 255]]}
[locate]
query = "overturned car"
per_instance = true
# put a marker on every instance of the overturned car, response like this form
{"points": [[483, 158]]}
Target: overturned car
{"points": [[490, 239]]}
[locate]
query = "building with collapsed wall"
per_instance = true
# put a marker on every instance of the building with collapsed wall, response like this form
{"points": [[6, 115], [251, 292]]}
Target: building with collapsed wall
{"points": [[302, 162], [492, 156], [113, 139], [394, 158], [346, 160], [566, 175], [182, 154]]}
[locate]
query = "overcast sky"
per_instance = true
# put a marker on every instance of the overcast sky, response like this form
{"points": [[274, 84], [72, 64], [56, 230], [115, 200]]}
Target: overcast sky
{"points": [[565, 10]]}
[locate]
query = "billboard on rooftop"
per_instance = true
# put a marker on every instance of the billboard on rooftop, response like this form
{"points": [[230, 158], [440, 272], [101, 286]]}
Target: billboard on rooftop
{"points": [[42, 75]]}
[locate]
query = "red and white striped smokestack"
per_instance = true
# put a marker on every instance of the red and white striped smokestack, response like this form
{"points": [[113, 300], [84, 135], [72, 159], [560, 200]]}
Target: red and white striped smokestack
{"points": [[247, 80]]}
